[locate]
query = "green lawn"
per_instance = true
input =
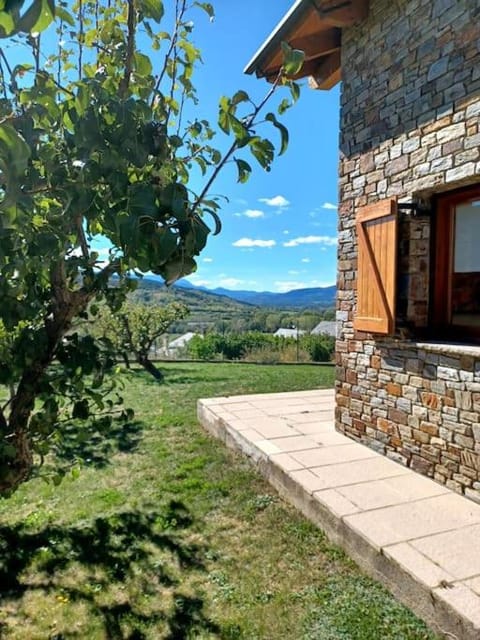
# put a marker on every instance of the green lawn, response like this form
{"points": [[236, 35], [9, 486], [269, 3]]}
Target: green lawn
{"points": [[167, 535]]}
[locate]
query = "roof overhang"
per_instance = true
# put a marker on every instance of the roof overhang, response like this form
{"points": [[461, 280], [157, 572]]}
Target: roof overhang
{"points": [[315, 27]]}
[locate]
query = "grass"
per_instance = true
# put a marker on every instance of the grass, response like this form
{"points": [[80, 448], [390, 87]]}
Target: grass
{"points": [[167, 535]]}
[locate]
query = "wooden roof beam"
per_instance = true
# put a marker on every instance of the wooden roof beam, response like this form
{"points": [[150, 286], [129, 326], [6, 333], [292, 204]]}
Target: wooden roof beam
{"points": [[327, 73], [341, 13], [318, 44]]}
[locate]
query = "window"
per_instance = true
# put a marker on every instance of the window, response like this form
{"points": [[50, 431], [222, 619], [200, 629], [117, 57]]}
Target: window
{"points": [[456, 261]]}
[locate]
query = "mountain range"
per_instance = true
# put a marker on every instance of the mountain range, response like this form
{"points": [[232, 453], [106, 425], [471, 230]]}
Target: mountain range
{"points": [[311, 297]]}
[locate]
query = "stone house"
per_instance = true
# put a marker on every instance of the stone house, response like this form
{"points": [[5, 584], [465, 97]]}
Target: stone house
{"points": [[408, 302]]}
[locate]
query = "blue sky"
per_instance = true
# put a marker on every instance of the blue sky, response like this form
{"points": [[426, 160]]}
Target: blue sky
{"points": [[279, 229]]}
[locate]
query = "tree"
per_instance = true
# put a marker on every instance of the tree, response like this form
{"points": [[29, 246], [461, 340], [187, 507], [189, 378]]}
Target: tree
{"points": [[136, 327], [94, 141]]}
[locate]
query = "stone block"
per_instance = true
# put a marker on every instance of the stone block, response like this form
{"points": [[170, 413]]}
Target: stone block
{"points": [[452, 132], [448, 373]]}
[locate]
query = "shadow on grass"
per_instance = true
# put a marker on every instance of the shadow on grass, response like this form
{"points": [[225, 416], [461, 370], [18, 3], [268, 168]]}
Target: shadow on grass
{"points": [[176, 374], [96, 447], [109, 567]]}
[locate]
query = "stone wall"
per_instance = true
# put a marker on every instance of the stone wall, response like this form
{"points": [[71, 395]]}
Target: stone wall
{"points": [[410, 129]]}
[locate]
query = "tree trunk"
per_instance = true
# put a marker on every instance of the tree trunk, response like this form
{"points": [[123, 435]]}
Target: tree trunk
{"points": [[16, 468], [16, 463], [125, 359], [150, 367]]}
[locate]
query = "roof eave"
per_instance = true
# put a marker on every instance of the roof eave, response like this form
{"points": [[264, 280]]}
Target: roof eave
{"points": [[285, 26]]}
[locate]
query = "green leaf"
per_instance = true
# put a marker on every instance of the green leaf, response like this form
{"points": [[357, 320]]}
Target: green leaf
{"points": [[191, 52], [7, 23], [152, 9], [82, 99], [207, 7], [240, 96], [176, 141], [239, 130], [283, 132], [174, 199], [62, 14], [263, 151], [225, 104], [244, 170], [216, 219], [295, 91], [141, 200], [37, 18], [165, 242], [13, 150], [283, 106], [177, 268], [292, 59], [224, 121], [202, 164], [143, 64]]}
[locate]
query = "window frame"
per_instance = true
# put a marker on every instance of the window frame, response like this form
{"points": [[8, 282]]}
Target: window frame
{"points": [[442, 265]]}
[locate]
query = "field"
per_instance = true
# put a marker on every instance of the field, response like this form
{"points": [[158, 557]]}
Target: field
{"points": [[166, 535]]}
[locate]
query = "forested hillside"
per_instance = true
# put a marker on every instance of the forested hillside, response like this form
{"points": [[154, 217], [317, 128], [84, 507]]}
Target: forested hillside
{"points": [[213, 312]]}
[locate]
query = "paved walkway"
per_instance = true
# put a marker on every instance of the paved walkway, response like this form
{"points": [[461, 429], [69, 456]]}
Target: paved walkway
{"points": [[419, 538]]}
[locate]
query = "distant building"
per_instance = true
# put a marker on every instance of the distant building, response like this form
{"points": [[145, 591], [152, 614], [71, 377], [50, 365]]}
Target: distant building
{"points": [[175, 348], [326, 327], [181, 341], [289, 333]]}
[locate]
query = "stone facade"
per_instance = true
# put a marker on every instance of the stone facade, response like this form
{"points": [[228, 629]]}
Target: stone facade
{"points": [[410, 113]]}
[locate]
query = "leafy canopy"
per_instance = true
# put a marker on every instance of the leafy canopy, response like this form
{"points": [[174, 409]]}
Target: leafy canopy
{"points": [[94, 140]]}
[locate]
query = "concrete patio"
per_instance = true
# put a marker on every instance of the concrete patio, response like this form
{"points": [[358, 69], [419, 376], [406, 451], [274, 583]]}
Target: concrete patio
{"points": [[417, 537]]}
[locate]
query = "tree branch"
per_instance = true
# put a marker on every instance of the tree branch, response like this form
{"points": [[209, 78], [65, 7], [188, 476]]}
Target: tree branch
{"points": [[80, 38], [125, 82], [250, 121], [3, 423], [81, 237], [179, 13]]}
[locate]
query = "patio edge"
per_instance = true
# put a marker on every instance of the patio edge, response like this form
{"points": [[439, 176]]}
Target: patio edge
{"points": [[408, 588]]}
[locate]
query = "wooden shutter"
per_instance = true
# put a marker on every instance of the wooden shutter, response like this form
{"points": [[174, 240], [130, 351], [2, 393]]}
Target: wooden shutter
{"points": [[377, 267]]}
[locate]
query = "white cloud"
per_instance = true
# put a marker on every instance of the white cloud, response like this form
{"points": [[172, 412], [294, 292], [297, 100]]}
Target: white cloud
{"points": [[276, 201], [288, 285], [293, 272], [329, 205], [286, 232], [249, 242], [250, 213], [329, 241], [201, 283], [253, 213], [305, 260], [230, 282], [208, 260]]}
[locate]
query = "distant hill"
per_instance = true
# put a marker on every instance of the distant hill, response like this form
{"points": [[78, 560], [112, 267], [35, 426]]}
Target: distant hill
{"points": [[218, 308], [312, 297], [205, 307]]}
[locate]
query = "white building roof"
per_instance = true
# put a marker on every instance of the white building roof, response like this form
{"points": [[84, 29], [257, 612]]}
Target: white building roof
{"points": [[288, 333]]}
